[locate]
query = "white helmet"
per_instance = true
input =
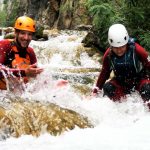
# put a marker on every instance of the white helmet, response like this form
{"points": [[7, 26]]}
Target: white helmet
{"points": [[118, 35]]}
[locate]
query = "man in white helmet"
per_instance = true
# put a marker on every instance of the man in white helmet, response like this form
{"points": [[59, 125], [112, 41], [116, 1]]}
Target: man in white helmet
{"points": [[130, 64]]}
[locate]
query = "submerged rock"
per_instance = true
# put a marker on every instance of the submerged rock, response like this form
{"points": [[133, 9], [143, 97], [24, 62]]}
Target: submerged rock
{"points": [[26, 117]]}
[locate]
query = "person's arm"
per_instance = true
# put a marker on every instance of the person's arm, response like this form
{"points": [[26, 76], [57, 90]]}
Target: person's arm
{"points": [[5, 71], [143, 55], [33, 69], [104, 74], [32, 56]]}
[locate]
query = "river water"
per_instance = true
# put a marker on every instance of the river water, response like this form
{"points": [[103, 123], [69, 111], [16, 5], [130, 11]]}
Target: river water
{"points": [[116, 126]]}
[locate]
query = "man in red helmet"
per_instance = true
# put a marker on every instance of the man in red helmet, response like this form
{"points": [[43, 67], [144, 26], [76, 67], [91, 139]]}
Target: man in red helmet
{"points": [[129, 62], [17, 59]]}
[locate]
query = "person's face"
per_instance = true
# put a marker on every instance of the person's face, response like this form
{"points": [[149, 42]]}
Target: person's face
{"points": [[24, 38], [119, 51]]}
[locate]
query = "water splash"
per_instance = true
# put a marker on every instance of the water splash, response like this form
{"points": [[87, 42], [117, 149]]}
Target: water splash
{"points": [[65, 57]]}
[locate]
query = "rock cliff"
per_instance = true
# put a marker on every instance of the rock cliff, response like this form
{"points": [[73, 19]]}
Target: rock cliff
{"points": [[61, 14]]}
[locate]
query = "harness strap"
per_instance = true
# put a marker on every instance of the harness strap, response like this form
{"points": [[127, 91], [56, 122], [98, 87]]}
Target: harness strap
{"points": [[131, 44]]}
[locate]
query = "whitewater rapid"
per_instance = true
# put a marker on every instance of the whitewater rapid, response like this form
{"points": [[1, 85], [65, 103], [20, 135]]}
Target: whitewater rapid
{"points": [[117, 126]]}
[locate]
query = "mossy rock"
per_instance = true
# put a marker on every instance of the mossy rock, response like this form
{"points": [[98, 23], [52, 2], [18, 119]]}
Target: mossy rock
{"points": [[9, 36]]}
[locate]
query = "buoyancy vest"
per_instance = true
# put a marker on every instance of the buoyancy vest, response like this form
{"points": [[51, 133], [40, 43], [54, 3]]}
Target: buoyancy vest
{"points": [[128, 66], [18, 63]]}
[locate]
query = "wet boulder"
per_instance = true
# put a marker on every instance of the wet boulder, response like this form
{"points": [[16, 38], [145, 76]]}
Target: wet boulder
{"points": [[35, 118]]}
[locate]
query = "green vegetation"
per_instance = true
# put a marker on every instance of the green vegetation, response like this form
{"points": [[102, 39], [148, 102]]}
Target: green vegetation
{"points": [[67, 6], [134, 14], [2, 18], [8, 17], [5, 1], [14, 13]]}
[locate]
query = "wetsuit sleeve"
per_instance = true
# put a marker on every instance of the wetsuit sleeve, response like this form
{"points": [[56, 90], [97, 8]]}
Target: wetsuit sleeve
{"points": [[143, 55], [4, 70], [105, 72], [32, 56]]}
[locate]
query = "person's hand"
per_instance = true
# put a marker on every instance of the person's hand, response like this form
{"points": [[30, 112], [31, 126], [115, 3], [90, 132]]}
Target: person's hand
{"points": [[33, 70], [95, 91], [61, 83]]}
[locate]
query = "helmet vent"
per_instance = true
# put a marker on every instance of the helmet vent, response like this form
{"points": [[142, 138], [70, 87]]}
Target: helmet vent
{"points": [[20, 24], [125, 38]]}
